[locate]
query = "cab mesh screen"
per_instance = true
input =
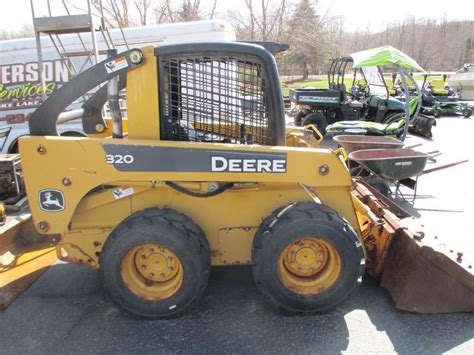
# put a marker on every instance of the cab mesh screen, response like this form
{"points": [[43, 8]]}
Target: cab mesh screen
{"points": [[213, 99]]}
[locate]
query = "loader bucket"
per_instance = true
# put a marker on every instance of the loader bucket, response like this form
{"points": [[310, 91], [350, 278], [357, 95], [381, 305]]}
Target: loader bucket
{"points": [[24, 256], [427, 276], [421, 272]]}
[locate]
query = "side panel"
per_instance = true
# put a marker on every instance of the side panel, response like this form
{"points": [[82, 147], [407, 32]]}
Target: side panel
{"points": [[229, 220]]}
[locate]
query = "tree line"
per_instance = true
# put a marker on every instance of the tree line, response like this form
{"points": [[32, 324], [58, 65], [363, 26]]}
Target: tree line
{"points": [[314, 35]]}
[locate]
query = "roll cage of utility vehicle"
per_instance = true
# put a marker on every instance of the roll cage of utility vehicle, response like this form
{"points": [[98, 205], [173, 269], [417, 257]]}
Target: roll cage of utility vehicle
{"points": [[367, 98], [368, 87]]}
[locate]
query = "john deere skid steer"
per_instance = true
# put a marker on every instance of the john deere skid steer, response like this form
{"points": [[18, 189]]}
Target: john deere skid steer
{"points": [[203, 172]]}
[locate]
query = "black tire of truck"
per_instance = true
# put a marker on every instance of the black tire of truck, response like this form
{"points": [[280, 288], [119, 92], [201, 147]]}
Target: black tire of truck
{"points": [[317, 119], [184, 242], [293, 224]]}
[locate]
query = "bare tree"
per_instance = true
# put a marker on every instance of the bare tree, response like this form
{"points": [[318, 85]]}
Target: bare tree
{"points": [[213, 11], [190, 10], [116, 12], [22, 32], [143, 8], [252, 19], [168, 11], [160, 11], [261, 22]]}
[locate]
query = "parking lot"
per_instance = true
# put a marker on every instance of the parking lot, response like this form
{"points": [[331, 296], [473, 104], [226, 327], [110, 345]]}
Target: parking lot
{"points": [[67, 311]]}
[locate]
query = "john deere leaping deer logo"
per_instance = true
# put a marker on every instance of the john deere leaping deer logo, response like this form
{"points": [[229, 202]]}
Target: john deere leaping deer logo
{"points": [[51, 200]]}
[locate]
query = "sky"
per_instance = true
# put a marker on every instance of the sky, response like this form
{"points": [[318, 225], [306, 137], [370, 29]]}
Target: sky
{"points": [[357, 13]]}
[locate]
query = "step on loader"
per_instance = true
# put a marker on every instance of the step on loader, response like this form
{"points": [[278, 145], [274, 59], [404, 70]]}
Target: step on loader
{"points": [[203, 172]]}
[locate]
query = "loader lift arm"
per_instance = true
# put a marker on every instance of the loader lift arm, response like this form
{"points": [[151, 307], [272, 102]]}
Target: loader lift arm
{"points": [[43, 119]]}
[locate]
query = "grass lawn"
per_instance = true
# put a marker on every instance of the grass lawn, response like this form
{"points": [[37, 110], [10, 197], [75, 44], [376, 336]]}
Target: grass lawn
{"points": [[318, 84]]}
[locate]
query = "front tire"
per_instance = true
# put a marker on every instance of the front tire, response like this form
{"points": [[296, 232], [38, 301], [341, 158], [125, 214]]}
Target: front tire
{"points": [[156, 263], [306, 258]]}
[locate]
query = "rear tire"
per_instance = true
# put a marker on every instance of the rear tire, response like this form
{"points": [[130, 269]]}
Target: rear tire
{"points": [[318, 120], [437, 112], [156, 263], [467, 113], [306, 258]]}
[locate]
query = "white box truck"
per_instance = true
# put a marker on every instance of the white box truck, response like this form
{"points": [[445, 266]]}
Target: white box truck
{"points": [[20, 88]]}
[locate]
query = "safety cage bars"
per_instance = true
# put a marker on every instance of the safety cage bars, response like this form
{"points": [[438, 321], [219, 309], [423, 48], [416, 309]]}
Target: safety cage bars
{"points": [[212, 97]]}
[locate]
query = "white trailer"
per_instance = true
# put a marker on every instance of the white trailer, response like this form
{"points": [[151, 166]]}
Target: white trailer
{"points": [[20, 88]]}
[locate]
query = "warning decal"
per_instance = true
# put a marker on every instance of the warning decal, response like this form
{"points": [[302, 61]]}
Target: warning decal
{"points": [[115, 65]]}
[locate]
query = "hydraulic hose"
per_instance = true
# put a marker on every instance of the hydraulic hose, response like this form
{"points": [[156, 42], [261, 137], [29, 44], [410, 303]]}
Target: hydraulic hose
{"points": [[184, 190]]}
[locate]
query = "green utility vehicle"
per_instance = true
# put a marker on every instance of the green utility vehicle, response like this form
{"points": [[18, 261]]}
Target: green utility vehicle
{"points": [[398, 115], [367, 98]]}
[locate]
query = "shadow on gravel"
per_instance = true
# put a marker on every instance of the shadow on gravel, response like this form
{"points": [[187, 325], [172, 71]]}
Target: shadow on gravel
{"points": [[67, 311]]}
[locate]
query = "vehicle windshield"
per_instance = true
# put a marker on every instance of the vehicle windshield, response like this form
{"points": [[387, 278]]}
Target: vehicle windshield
{"points": [[375, 81]]}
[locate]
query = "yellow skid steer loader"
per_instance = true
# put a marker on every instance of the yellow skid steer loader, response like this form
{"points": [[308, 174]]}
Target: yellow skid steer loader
{"points": [[203, 172]]}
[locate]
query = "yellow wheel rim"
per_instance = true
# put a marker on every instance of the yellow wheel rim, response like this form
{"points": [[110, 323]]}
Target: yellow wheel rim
{"points": [[152, 272], [309, 266]]}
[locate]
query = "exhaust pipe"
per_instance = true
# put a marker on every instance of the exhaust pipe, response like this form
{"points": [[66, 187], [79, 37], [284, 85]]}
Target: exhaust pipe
{"points": [[113, 100]]}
